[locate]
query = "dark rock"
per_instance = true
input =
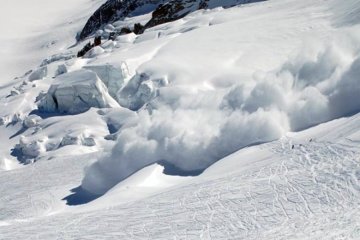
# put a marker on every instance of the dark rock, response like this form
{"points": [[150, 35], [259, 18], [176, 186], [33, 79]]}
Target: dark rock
{"points": [[112, 36], [171, 11], [85, 49], [114, 10], [138, 28], [97, 41], [177, 9], [164, 11], [125, 30]]}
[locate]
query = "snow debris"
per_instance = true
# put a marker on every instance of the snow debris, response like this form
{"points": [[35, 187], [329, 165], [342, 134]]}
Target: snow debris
{"points": [[140, 90], [17, 117], [80, 139], [94, 52], [31, 149], [38, 74], [113, 77], [109, 28], [127, 38], [70, 140], [14, 92], [76, 92], [62, 68], [57, 57], [4, 121], [89, 142], [108, 45], [99, 33], [31, 121]]}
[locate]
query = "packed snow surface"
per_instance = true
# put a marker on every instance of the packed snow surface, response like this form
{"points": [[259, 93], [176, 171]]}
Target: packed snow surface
{"points": [[238, 123]]}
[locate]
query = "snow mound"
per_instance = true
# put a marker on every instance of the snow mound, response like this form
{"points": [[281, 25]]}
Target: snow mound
{"points": [[76, 92], [112, 76], [141, 89]]}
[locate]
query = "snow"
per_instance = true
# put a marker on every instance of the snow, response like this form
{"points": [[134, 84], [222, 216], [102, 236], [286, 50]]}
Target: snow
{"points": [[251, 108], [43, 29], [267, 191], [76, 92], [113, 77], [226, 124], [38, 74], [95, 52]]}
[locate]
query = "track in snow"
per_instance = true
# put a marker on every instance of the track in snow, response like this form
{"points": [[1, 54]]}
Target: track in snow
{"points": [[304, 192]]}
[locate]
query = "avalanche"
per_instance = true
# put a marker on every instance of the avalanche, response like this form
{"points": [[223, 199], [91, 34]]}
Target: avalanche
{"points": [[236, 121]]}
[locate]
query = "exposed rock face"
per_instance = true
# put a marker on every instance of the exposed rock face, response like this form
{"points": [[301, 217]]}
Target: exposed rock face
{"points": [[163, 11], [176, 9], [114, 10], [171, 11]]}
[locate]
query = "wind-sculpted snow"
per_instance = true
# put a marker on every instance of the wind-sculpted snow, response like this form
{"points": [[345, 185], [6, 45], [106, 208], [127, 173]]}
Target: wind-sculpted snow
{"points": [[192, 130]]}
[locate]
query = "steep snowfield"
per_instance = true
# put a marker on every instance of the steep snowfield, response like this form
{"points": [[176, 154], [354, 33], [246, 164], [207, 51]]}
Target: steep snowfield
{"points": [[238, 123], [33, 30]]}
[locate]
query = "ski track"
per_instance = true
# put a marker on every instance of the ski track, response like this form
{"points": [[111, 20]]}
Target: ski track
{"points": [[308, 192]]}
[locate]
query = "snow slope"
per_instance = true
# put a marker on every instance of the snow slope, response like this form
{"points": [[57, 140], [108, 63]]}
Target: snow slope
{"points": [[38, 28], [236, 97], [269, 191], [216, 130]]}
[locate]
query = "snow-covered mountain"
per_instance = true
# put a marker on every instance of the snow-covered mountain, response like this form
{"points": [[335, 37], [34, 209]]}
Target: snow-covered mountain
{"points": [[163, 11], [113, 10], [222, 120]]}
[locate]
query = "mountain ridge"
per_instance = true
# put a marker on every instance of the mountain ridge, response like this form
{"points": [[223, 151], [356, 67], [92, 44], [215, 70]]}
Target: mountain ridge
{"points": [[163, 11]]}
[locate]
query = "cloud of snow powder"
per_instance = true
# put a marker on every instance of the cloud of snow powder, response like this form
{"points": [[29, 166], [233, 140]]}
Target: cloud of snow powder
{"points": [[193, 129]]}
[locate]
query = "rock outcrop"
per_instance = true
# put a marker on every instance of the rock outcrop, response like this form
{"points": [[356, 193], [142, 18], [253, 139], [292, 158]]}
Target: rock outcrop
{"points": [[163, 11], [114, 10]]}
